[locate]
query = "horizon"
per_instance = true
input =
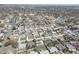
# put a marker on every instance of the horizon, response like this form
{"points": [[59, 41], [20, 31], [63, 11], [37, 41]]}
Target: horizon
{"points": [[44, 4]]}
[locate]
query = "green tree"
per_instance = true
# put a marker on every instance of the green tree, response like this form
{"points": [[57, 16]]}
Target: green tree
{"points": [[13, 43]]}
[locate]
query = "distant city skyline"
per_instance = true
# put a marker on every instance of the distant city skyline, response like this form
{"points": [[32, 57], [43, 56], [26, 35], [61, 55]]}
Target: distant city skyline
{"points": [[40, 5]]}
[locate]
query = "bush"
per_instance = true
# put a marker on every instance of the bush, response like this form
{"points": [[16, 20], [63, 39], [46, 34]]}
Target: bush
{"points": [[1, 25], [13, 43], [6, 44], [1, 40], [0, 45]]}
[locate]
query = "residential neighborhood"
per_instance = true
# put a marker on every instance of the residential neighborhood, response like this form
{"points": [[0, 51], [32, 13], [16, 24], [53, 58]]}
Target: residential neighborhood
{"points": [[39, 29]]}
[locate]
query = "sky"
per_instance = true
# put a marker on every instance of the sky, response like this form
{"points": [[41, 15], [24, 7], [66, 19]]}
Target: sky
{"points": [[39, 1]]}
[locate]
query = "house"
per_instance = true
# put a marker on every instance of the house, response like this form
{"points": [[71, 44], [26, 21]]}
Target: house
{"points": [[30, 45], [47, 41], [1, 35], [70, 47], [53, 50], [39, 42], [53, 39], [21, 41], [70, 34], [59, 36], [76, 44], [44, 52], [35, 33], [33, 52], [21, 46], [21, 29], [60, 47], [29, 35]]}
